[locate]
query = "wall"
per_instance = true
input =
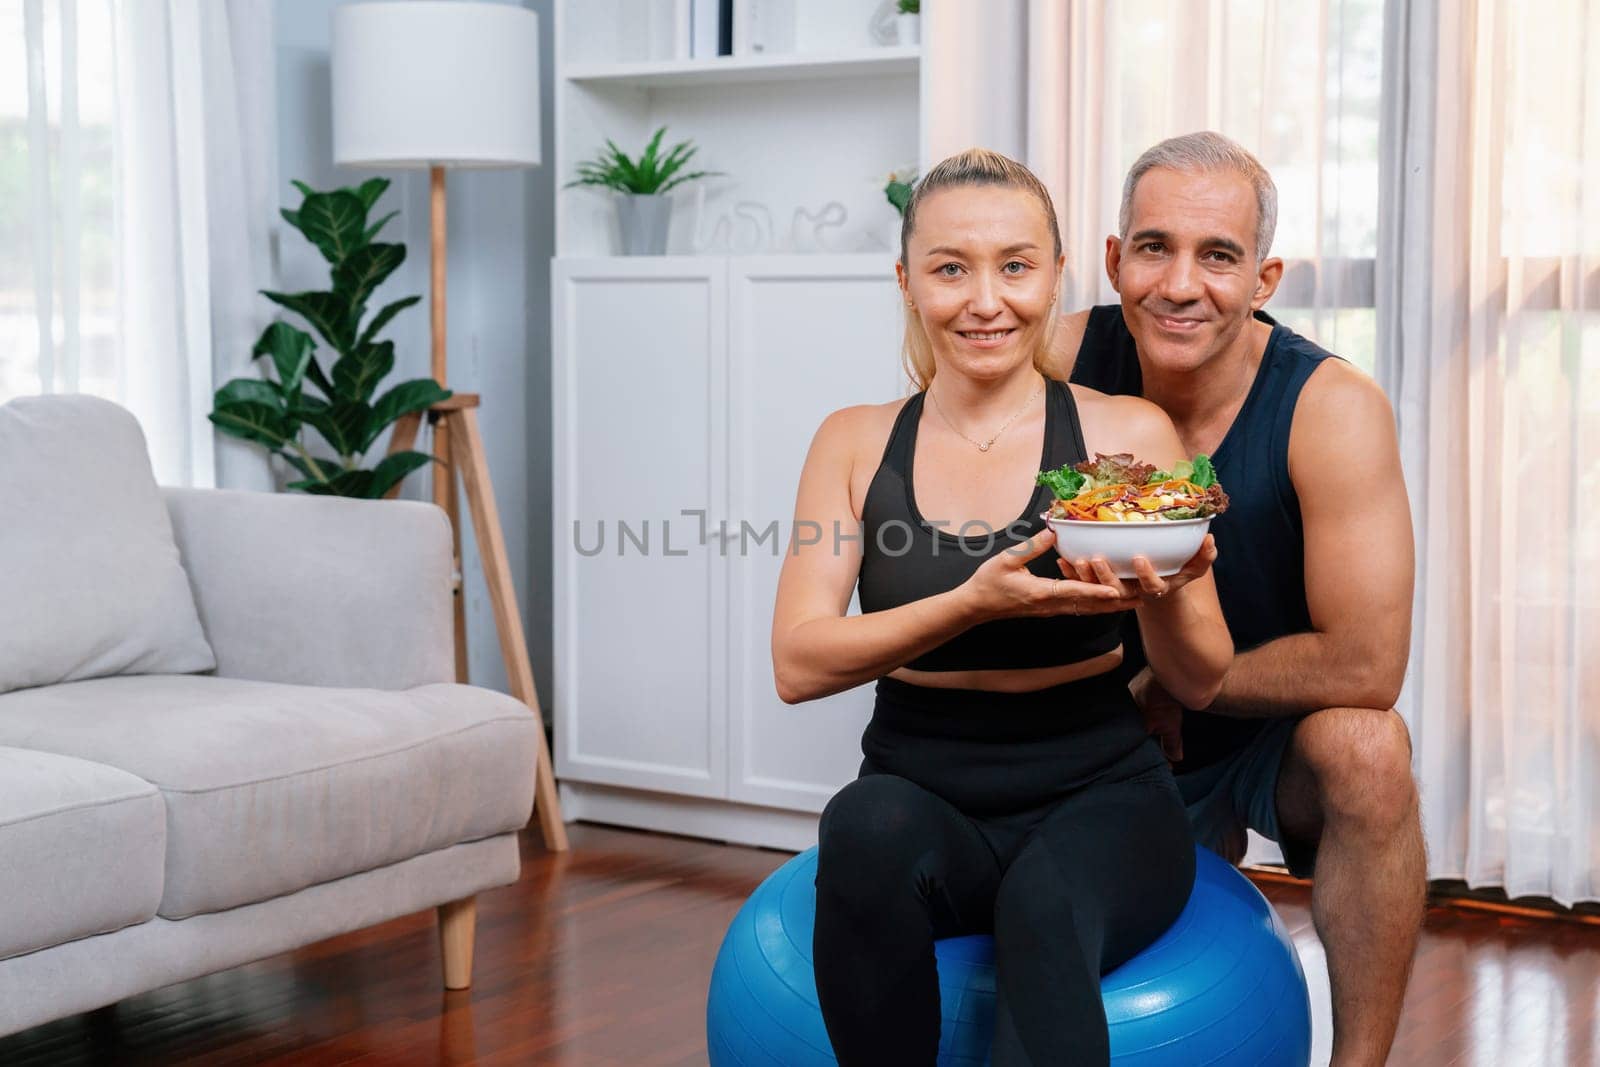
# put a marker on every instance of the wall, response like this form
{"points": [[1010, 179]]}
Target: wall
{"points": [[499, 311]]}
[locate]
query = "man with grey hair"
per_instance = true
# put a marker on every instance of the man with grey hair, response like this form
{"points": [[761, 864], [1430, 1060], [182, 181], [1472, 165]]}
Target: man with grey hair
{"points": [[1314, 569]]}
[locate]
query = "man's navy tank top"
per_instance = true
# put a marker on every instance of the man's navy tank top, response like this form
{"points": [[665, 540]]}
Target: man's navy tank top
{"points": [[1260, 568], [905, 558]]}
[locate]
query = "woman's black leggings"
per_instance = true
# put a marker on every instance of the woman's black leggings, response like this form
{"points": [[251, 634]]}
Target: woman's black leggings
{"points": [[1069, 890]]}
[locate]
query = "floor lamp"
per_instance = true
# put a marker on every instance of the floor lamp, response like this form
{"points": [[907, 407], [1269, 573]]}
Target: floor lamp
{"points": [[450, 85]]}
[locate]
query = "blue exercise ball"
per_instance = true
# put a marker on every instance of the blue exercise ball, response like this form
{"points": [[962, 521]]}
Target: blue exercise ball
{"points": [[1222, 986]]}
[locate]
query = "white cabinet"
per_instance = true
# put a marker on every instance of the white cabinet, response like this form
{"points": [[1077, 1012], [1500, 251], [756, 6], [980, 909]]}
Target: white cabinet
{"points": [[808, 335], [686, 392], [639, 396]]}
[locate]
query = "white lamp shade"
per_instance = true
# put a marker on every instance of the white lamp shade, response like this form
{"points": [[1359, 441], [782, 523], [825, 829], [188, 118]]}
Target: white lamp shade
{"points": [[421, 83]]}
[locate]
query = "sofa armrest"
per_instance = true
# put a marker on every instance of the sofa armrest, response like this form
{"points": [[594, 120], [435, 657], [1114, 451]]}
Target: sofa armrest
{"points": [[316, 590]]}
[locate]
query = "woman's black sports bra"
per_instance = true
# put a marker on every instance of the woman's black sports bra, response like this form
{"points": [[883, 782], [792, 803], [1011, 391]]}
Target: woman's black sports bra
{"points": [[904, 558]]}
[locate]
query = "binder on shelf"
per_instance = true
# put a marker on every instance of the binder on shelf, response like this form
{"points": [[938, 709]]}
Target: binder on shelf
{"points": [[725, 27], [705, 18], [682, 29], [663, 32]]}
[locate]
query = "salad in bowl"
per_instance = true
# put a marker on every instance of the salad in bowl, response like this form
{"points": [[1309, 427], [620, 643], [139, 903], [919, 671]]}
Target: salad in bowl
{"points": [[1116, 507]]}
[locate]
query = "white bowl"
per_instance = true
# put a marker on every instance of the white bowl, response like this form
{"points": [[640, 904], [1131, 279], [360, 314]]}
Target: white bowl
{"points": [[1167, 543]]}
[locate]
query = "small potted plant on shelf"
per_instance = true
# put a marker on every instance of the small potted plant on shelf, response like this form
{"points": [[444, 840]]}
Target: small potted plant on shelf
{"points": [[908, 23], [643, 209], [897, 190]]}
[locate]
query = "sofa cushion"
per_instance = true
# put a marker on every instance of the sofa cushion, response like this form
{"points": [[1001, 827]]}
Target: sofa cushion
{"points": [[270, 788], [82, 847], [92, 584]]}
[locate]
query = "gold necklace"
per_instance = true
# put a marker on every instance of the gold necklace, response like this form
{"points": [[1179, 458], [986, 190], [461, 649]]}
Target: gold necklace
{"points": [[983, 446]]}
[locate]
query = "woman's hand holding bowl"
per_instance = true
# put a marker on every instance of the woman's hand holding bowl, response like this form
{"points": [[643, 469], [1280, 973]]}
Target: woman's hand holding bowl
{"points": [[1148, 586], [1003, 587]]}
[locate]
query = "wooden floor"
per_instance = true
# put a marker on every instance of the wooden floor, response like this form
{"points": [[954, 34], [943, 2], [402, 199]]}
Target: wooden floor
{"points": [[601, 957]]}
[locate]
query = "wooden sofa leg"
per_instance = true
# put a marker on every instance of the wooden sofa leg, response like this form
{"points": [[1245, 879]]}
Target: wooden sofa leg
{"points": [[458, 922]]}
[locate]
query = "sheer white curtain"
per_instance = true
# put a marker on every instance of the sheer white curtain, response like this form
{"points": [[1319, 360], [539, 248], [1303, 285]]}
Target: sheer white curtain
{"points": [[137, 143], [1476, 303], [1492, 351], [1296, 83]]}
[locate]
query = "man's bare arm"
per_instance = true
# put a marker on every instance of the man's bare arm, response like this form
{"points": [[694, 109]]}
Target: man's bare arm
{"points": [[1359, 561]]}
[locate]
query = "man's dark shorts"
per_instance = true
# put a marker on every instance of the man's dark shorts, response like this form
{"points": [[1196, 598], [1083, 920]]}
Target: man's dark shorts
{"points": [[1240, 792]]}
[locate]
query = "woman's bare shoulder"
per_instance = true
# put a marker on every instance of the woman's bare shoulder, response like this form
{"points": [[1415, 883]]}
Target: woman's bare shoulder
{"points": [[861, 428], [855, 437]]}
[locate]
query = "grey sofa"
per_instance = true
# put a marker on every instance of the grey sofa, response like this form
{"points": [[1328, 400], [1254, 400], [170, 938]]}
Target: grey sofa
{"points": [[228, 723]]}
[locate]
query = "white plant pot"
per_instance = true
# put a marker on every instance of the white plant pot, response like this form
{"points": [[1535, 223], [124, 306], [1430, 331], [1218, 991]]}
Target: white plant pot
{"points": [[908, 29], [642, 222]]}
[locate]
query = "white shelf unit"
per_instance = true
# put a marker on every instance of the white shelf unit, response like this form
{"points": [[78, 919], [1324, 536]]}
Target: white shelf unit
{"points": [[732, 70], [792, 131], [696, 380]]}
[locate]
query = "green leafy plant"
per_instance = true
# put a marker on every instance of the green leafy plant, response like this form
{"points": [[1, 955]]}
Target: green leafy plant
{"points": [[910, 7], [276, 410], [898, 188], [652, 174]]}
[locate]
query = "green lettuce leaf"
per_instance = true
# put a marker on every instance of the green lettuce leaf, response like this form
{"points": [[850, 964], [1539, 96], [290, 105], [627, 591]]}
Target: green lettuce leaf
{"points": [[1182, 469], [1064, 482]]}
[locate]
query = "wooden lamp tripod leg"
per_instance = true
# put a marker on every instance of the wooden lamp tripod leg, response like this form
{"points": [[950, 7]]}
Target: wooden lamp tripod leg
{"points": [[457, 445], [401, 440], [444, 495], [458, 425], [468, 444]]}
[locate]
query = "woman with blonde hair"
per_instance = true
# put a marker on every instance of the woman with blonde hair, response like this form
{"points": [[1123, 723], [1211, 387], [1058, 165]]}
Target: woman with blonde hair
{"points": [[1008, 785]]}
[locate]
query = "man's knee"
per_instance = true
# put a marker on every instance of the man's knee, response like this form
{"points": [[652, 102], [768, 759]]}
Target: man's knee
{"points": [[1360, 762], [1231, 842]]}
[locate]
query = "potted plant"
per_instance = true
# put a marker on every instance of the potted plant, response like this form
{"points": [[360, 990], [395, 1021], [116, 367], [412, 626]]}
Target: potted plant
{"points": [[275, 411], [897, 190], [643, 209], [908, 22]]}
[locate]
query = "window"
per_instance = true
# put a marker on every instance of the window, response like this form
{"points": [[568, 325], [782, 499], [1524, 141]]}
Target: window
{"points": [[1297, 84], [58, 290]]}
